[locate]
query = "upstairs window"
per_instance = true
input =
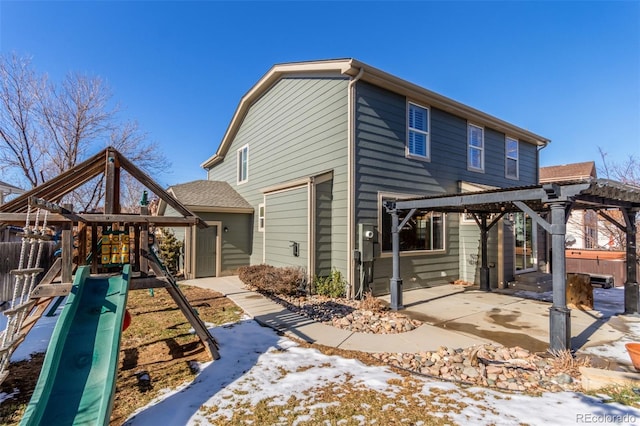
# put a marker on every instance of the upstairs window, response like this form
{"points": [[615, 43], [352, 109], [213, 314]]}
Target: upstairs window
{"points": [[512, 161], [418, 132], [476, 148], [243, 164]]}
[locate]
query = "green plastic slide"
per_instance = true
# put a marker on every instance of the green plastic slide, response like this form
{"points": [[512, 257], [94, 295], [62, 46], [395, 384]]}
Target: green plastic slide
{"points": [[78, 378]]}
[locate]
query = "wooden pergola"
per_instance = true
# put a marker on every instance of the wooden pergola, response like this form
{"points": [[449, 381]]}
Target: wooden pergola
{"points": [[549, 205]]}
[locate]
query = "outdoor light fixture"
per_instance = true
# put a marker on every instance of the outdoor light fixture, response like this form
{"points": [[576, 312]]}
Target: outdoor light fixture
{"points": [[226, 229]]}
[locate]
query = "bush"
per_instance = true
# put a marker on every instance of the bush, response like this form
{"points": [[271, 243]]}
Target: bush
{"points": [[170, 250], [271, 280], [332, 286], [370, 303]]}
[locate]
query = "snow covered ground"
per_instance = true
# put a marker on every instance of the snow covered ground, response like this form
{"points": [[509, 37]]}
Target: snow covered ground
{"points": [[609, 302], [257, 365]]}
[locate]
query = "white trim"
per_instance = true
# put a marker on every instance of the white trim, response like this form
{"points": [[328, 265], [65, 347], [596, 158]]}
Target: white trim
{"points": [[408, 153], [264, 232], [311, 226], [212, 209], [507, 158], [239, 165], [351, 179], [286, 186], [482, 149]]}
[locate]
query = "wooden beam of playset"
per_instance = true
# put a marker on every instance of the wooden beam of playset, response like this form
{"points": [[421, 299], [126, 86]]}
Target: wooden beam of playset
{"points": [[18, 219]]}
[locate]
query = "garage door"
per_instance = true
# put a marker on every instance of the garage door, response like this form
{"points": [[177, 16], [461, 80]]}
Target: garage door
{"points": [[286, 223]]}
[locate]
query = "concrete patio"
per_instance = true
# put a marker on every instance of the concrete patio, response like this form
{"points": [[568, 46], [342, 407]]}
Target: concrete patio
{"points": [[453, 316]]}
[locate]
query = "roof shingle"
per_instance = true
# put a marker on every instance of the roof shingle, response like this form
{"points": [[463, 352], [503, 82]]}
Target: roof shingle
{"points": [[568, 172], [208, 193]]}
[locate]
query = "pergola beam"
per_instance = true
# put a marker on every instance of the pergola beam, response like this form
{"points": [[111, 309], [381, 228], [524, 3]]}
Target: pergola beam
{"points": [[556, 197]]}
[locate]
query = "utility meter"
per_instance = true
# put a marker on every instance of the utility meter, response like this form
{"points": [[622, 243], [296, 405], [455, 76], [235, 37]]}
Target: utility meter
{"points": [[366, 239]]}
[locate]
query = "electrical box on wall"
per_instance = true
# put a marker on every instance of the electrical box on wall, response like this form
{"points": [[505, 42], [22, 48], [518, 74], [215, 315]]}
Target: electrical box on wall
{"points": [[366, 240]]}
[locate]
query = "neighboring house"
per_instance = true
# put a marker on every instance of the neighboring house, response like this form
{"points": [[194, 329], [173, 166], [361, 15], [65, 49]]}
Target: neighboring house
{"points": [[582, 225], [7, 189], [316, 147], [9, 233]]}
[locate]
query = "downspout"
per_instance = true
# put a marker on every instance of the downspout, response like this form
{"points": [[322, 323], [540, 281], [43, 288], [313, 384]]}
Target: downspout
{"points": [[547, 235], [540, 148], [351, 139]]}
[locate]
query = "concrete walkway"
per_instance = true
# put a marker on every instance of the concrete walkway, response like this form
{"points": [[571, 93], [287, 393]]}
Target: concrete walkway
{"points": [[452, 316], [265, 311]]}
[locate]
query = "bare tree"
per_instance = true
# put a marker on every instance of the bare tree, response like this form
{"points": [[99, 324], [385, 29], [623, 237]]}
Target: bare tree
{"points": [[628, 172], [72, 117], [46, 129], [21, 148]]}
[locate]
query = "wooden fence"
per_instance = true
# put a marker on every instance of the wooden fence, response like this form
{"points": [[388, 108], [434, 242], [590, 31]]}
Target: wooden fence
{"points": [[10, 259]]}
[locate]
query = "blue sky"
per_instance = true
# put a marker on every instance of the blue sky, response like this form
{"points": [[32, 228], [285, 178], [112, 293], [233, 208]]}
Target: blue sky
{"points": [[566, 70]]}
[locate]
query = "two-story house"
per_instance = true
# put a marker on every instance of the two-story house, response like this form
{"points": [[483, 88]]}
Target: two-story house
{"points": [[315, 148]]}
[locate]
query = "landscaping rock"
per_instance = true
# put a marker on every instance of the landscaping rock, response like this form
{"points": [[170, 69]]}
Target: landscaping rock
{"points": [[510, 369]]}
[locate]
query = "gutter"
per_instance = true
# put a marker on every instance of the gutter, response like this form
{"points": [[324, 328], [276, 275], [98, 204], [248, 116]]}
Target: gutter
{"points": [[351, 139], [540, 148]]}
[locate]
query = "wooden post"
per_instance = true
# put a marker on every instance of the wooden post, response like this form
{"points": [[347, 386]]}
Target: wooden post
{"points": [[135, 256], [97, 253], [82, 243], [112, 184], [144, 242], [631, 291], [67, 249], [183, 303]]}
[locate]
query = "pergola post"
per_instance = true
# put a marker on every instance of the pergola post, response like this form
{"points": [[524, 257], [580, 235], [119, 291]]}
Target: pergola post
{"points": [[631, 296], [395, 283], [559, 314], [484, 254]]}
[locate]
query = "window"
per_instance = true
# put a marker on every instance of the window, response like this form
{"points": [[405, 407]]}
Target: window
{"points": [[243, 164], [424, 232], [590, 229], [418, 131], [261, 217], [511, 160], [476, 148]]}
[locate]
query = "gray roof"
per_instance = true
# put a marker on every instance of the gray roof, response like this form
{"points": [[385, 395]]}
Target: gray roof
{"points": [[11, 188], [208, 193]]}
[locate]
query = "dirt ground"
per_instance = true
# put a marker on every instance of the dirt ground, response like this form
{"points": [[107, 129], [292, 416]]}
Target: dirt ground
{"points": [[156, 352]]}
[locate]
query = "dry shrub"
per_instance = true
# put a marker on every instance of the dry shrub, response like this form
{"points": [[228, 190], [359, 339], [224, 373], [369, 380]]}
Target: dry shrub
{"points": [[565, 361], [271, 280], [370, 303]]}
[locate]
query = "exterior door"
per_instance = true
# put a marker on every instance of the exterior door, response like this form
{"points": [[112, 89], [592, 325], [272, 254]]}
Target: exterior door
{"points": [[206, 251], [526, 243]]}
